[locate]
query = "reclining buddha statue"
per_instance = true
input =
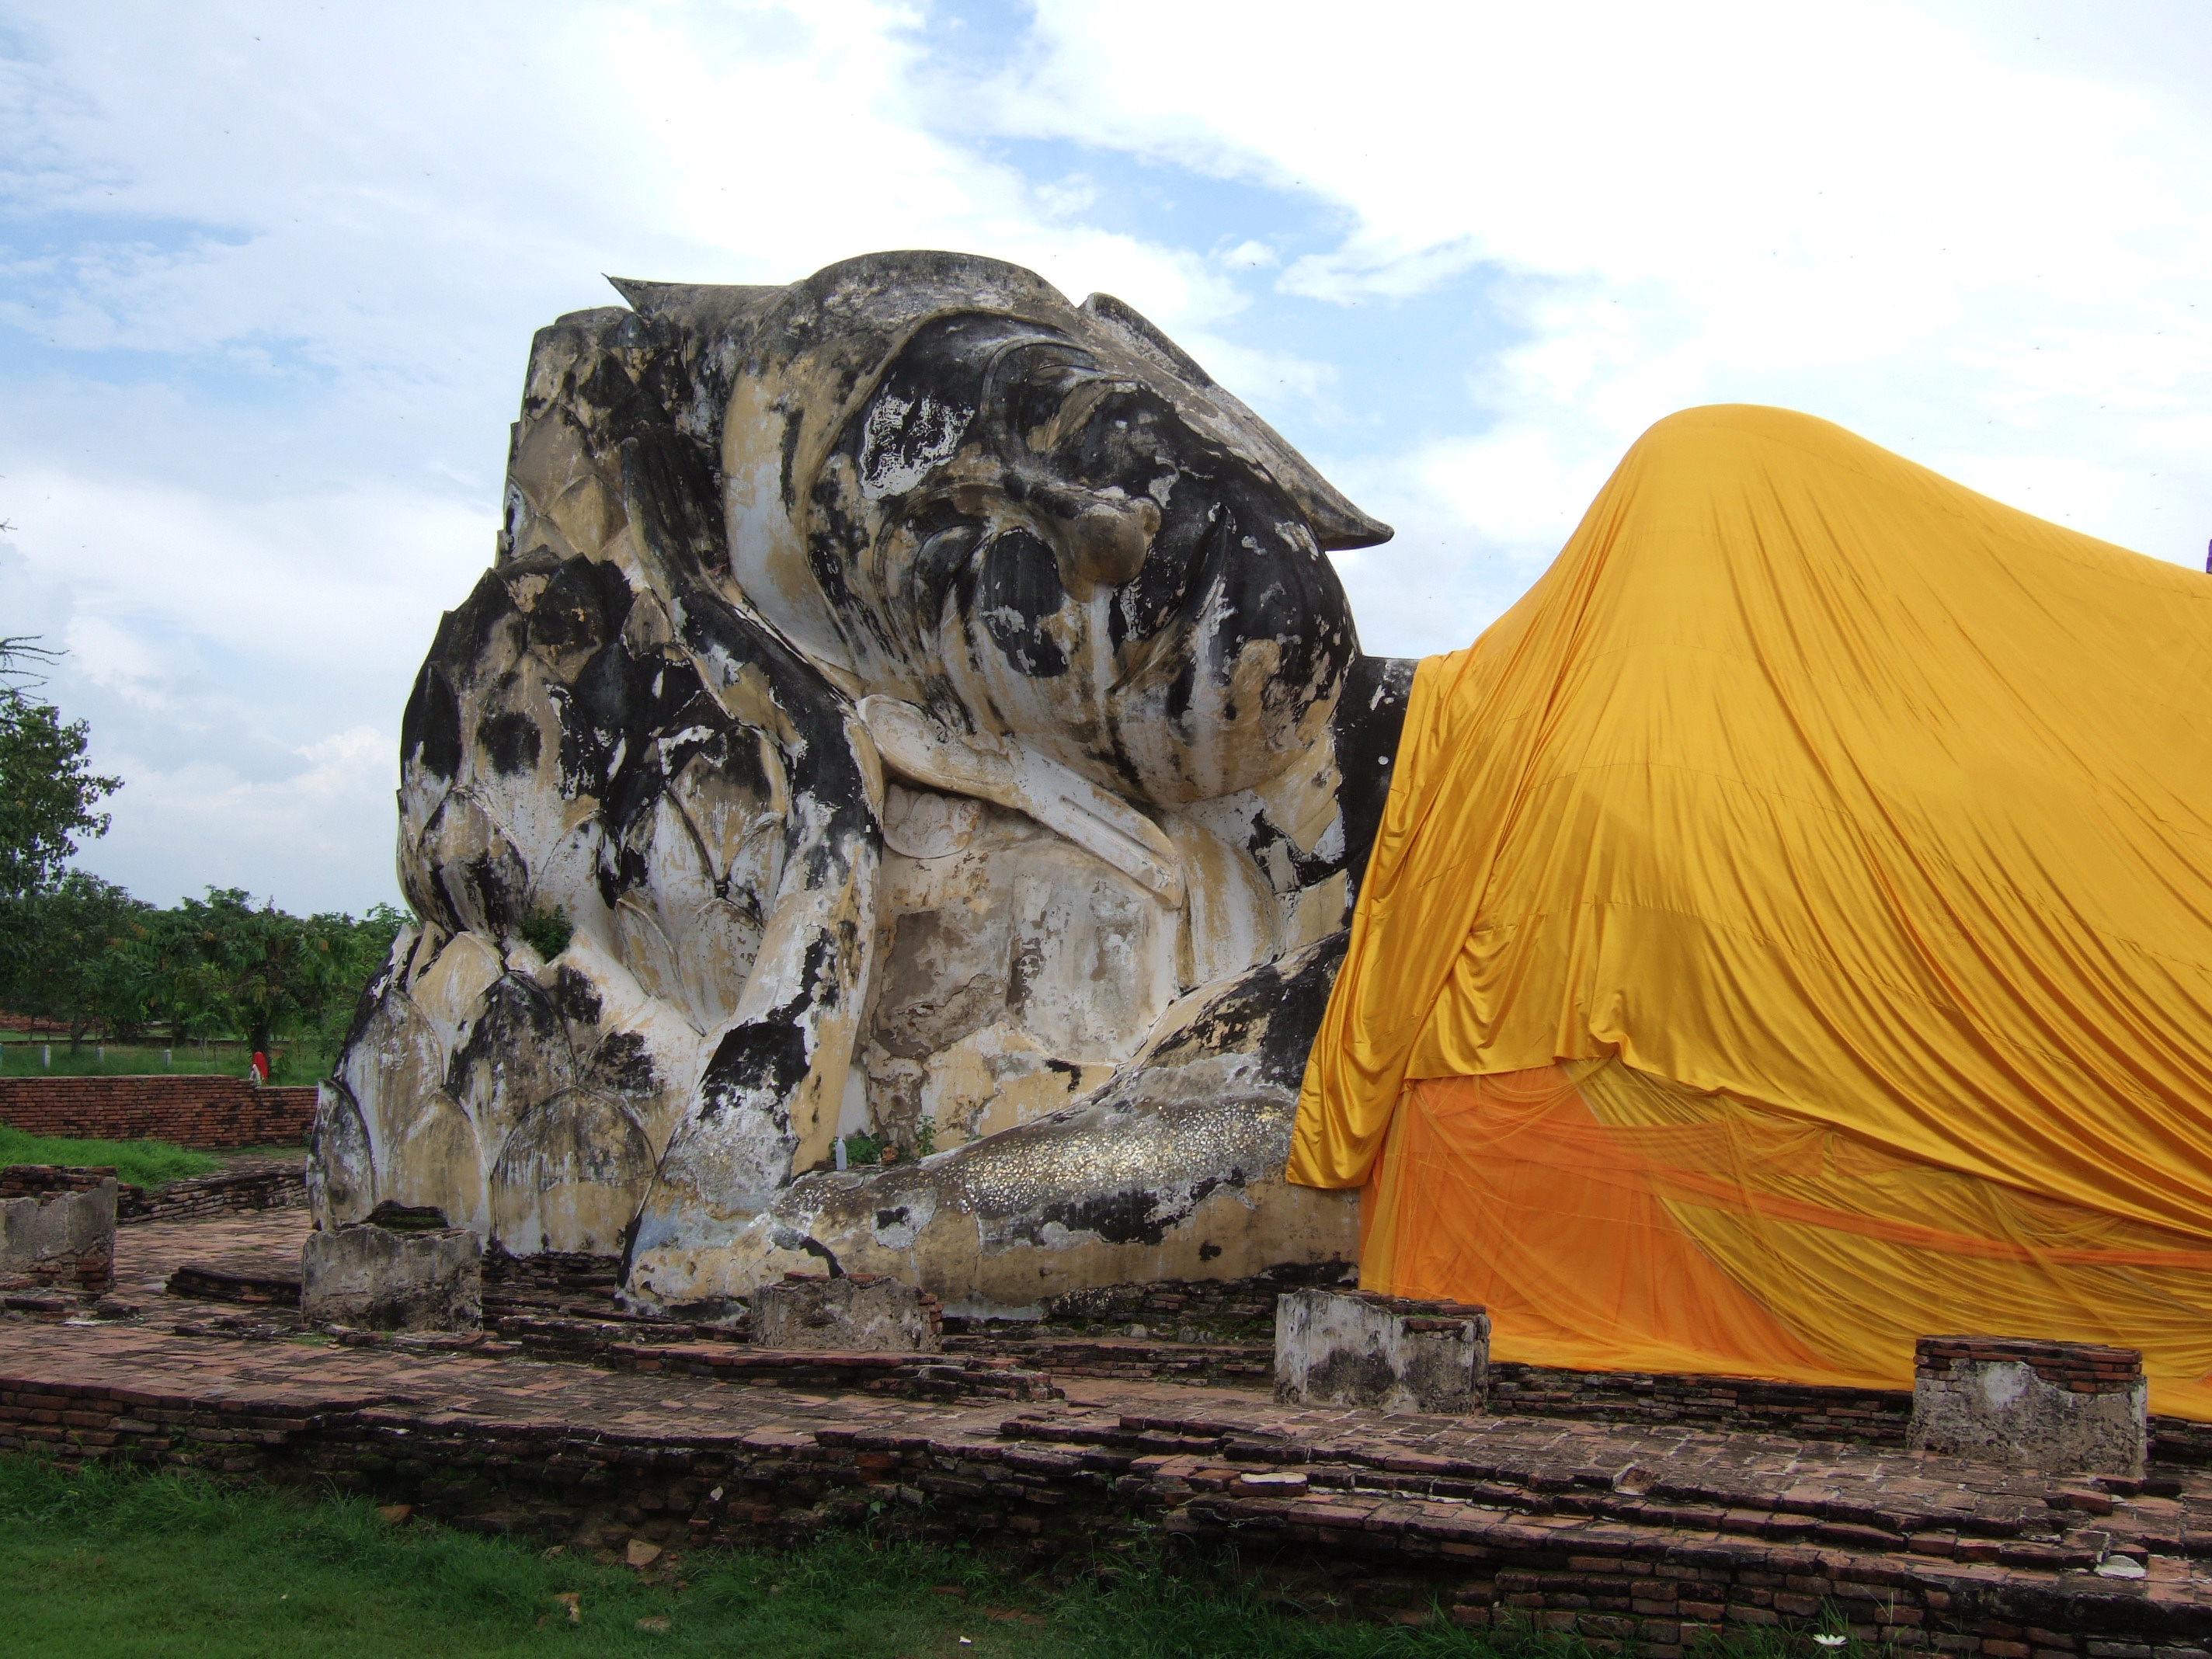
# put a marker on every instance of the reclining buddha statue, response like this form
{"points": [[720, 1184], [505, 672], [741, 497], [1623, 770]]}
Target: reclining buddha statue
{"points": [[907, 709]]}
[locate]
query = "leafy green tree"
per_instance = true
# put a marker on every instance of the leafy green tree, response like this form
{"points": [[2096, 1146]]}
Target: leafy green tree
{"points": [[270, 971], [173, 983], [82, 951], [62, 956], [367, 947], [47, 790], [270, 966]]}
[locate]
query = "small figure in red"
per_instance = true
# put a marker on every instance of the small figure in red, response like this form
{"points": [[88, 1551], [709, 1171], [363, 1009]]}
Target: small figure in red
{"points": [[260, 1068]]}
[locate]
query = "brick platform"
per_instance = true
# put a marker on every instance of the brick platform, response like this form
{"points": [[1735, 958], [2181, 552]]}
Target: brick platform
{"points": [[274, 1185], [214, 1112], [248, 1184], [1613, 1532], [1651, 1532], [263, 1243], [563, 1307]]}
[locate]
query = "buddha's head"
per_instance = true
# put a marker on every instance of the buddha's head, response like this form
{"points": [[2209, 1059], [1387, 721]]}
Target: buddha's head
{"points": [[947, 484]]}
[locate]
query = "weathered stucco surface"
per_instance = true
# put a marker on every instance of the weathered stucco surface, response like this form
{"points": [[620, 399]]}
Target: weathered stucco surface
{"points": [[57, 1232], [379, 1279], [2001, 1412], [842, 1314], [1334, 1348], [929, 706]]}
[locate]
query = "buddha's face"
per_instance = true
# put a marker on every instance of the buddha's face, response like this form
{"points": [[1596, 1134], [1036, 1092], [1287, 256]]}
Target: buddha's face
{"points": [[1041, 546]]}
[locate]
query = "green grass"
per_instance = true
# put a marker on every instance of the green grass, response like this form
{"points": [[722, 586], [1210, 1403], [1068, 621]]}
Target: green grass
{"points": [[289, 1062], [22, 1058], [138, 1163], [110, 1563]]}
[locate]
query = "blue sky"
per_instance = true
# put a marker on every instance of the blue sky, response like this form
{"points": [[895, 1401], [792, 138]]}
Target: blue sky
{"points": [[268, 274]]}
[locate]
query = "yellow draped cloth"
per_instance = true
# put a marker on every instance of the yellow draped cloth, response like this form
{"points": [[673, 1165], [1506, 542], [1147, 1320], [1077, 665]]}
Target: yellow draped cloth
{"points": [[1790, 933]]}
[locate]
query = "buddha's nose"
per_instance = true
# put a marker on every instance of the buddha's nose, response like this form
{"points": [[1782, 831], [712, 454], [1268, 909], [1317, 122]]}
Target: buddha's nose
{"points": [[1101, 538]]}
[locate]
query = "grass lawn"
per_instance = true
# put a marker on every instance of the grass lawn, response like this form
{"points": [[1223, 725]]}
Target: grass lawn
{"points": [[138, 1163], [290, 1062], [109, 1563]]}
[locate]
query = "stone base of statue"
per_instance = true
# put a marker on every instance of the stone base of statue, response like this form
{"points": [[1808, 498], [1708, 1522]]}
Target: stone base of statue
{"points": [[57, 1232], [1355, 1348], [862, 1313], [2060, 1407], [404, 1277]]}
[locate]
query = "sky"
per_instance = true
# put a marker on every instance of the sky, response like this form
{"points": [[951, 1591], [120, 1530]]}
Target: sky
{"points": [[269, 273]]}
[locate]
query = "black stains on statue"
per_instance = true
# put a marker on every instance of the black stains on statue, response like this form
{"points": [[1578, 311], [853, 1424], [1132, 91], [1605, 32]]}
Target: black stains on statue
{"points": [[621, 870], [489, 883], [465, 633], [761, 1060], [519, 1032], [1208, 1250], [1023, 967], [1181, 688], [581, 608], [1301, 999], [1131, 1217], [1370, 720], [835, 531], [824, 773], [575, 997], [605, 386], [430, 734], [1072, 1072], [430, 730], [623, 1065], [1191, 520], [596, 719], [509, 742], [1271, 1011], [1271, 588], [671, 492], [1019, 591], [894, 1217], [1307, 869], [788, 463], [766, 1059], [948, 540]]}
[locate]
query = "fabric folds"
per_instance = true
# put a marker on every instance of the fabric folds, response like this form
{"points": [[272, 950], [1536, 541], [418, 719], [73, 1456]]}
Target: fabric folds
{"points": [[1794, 921]]}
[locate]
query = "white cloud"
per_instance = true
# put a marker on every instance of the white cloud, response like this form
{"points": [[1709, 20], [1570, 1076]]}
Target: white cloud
{"points": [[308, 836], [271, 272], [1916, 220], [243, 665], [282, 581]]}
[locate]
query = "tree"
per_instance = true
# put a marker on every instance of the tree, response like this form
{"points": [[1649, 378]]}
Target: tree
{"points": [[174, 984], [368, 947], [47, 792], [84, 953], [62, 953], [272, 970], [270, 966]]}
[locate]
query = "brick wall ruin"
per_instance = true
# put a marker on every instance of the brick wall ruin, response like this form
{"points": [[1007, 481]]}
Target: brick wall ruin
{"points": [[212, 1112]]}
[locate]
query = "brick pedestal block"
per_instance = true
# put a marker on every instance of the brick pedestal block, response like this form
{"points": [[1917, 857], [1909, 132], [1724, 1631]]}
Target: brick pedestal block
{"points": [[379, 1279], [860, 1314], [2061, 1407], [1338, 1348], [61, 1237]]}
